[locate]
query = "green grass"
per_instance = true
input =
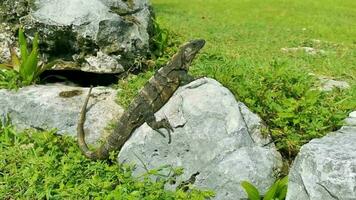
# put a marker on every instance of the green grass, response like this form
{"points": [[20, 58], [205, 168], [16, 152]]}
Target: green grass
{"points": [[42, 165], [243, 52], [254, 31]]}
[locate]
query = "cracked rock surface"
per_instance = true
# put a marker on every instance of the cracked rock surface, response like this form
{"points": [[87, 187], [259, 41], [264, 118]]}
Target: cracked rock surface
{"points": [[214, 135], [101, 36], [325, 168], [58, 106]]}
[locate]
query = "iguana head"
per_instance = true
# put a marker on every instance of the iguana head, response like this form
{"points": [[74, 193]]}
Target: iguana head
{"points": [[190, 50]]}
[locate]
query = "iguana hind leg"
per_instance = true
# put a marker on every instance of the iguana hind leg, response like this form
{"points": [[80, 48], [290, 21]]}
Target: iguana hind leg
{"points": [[156, 125]]}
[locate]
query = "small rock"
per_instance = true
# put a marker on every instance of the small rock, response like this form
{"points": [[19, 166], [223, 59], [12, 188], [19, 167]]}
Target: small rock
{"points": [[328, 84], [213, 135], [57, 106], [102, 63], [351, 120], [307, 50]]}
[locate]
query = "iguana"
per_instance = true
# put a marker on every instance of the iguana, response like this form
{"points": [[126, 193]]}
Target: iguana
{"points": [[149, 100]]}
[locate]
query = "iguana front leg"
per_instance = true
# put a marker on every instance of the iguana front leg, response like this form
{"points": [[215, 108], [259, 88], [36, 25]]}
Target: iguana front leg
{"points": [[156, 125], [186, 79]]}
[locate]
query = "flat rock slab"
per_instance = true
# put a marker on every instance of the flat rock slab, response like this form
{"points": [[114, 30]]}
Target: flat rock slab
{"points": [[214, 135], [328, 84], [101, 36], [325, 168], [58, 106]]}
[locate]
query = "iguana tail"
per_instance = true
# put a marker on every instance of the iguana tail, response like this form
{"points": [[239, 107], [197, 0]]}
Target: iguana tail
{"points": [[81, 134]]}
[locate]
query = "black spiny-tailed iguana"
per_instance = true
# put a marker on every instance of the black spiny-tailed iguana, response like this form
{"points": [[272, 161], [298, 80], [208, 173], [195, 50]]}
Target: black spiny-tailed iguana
{"points": [[150, 99]]}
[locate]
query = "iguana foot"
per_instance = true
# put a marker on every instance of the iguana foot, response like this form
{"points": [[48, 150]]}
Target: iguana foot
{"points": [[157, 125]]}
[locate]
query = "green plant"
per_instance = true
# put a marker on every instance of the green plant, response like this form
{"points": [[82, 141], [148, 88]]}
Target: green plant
{"points": [[159, 40], [26, 66], [277, 191], [9, 79], [43, 165]]}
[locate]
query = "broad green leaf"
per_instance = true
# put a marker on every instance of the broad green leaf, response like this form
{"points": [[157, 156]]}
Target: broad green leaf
{"points": [[251, 190], [29, 67], [271, 191], [23, 45], [282, 193], [282, 188], [283, 182]]}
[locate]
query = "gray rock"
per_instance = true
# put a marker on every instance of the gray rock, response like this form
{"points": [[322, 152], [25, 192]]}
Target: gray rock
{"points": [[328, 84], [325, 168], [213, 135], [54, 106], [351, 120], [102, 36]]}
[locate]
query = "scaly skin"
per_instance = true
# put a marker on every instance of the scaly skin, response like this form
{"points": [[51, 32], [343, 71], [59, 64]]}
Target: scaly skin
{"points": [[156, 92]]}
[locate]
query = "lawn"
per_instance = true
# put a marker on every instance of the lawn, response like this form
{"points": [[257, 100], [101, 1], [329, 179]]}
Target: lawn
{"points": [[243, 52], [253, 32]]}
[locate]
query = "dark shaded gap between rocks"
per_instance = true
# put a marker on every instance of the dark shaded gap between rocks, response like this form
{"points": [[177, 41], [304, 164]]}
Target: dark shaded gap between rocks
{"points": [[79, 78]]}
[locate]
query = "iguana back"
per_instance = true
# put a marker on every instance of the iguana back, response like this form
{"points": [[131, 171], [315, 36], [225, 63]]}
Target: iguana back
{"points": [[149, 100]]}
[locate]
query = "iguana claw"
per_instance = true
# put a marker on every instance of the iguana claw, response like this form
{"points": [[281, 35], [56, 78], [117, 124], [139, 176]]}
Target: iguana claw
{"points": [[163, 124]]}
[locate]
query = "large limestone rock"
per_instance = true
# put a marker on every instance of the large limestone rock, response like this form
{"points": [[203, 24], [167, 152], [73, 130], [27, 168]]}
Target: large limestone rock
{"points": [[57, 106], [213, 135], [102, 36], [325, 168]]}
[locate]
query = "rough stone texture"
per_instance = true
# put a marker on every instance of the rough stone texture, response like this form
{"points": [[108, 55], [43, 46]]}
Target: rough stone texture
{"points": [[6, 39], [325, 168], [51, 106], [214, 135], [102, 36], [328, 84]]}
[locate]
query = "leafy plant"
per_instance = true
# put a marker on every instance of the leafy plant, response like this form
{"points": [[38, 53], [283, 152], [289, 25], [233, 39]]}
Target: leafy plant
{"points": [[26, 66], [9, 79], [159, 40], [277, 191], [43, 165]]}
